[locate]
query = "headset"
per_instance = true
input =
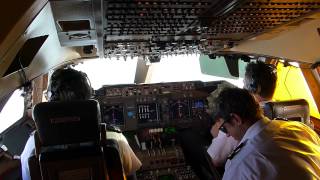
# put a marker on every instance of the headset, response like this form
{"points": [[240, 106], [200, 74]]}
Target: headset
{"points": [[253, 85], [258, 69]]}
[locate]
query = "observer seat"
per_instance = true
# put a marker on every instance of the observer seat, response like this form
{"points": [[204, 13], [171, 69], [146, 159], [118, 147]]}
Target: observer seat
{"points": [[293, 110]]}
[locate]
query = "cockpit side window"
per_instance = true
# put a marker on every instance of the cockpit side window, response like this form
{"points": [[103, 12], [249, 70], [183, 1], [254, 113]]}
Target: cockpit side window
{"points": [[291, 85], [12, 111]]}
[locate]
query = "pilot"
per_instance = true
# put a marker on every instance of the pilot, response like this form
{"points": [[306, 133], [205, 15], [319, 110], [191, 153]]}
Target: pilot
{"points": [[267, 149], [69, 84], [222, 145], [260, 80]]}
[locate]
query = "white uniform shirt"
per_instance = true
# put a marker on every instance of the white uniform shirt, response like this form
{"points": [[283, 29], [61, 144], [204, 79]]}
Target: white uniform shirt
{"points": [[130, 162], [276, 150], [27, 152], [220, 148]]}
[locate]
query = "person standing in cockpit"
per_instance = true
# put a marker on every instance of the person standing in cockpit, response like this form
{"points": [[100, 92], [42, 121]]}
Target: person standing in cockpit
{"points": [[267, 149], [260, 80]]}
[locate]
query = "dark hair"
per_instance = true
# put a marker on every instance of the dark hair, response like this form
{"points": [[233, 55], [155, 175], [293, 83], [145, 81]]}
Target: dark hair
{"points": [[69, 84], [260, 78], [240, 102]]}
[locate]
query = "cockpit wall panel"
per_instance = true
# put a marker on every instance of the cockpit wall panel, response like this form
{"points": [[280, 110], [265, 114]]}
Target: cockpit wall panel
{"points": [[50, 55]]}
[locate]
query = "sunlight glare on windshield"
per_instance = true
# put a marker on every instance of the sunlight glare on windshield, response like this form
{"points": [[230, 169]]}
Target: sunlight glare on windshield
{"points": [[169, 69], [182, 68], [109, 71]]}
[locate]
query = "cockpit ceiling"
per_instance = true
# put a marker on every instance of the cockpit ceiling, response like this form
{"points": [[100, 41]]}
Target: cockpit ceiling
{"points": [[167, 27]]}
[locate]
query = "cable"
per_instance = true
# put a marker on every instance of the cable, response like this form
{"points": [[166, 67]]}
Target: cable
{"points": [[26, 82], [285, 80], [23, 72]]}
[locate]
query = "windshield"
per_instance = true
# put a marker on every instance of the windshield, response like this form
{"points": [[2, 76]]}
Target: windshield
{"points": [[169, 69], [109, 71]]}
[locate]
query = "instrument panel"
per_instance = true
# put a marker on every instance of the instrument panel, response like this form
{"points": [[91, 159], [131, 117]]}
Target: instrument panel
{"points": [[134, 106], [151, 116]]}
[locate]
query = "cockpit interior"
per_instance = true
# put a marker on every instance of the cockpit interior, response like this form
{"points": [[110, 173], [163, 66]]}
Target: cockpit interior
{"points": [[173, 54]]}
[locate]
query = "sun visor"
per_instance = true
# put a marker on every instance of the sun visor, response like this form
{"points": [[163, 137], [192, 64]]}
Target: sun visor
{"points": [[222, 66], [26, 54]]}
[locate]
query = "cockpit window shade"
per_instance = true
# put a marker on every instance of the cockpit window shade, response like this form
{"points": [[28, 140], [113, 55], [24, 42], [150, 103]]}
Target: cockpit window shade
{"points": [[26, 54]]}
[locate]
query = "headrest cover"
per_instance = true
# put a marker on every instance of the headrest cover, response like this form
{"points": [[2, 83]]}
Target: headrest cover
{"points": [[290, 110], [67, 122]]}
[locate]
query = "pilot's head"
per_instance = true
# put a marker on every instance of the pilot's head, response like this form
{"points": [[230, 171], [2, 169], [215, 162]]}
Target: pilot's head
{"points": [[260, 80], [239, 110], [68, 84]]}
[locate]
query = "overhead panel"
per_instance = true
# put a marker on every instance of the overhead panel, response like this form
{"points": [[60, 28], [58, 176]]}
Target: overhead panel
{"points": [[155, 28], [257, 16], [151, 27]]}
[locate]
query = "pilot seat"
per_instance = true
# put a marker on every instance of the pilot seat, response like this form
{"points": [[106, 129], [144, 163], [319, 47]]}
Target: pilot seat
{"points": [[71, 143]]}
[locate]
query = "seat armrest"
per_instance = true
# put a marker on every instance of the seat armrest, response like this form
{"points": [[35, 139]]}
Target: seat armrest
{"points": [[113, 160]]}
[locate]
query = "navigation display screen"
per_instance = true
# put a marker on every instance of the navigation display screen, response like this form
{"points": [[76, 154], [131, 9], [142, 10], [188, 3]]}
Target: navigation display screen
{"points": [[113, 115], [179, 109], [148, 113], [197, 107]]}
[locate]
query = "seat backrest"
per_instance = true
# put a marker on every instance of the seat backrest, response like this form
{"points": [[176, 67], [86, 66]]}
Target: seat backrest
{"points": [[296, 110], [69, 136], [67, 122], [79, 163]]}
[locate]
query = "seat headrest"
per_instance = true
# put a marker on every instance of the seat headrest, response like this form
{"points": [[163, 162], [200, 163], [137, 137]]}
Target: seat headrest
{"points": [[290, 110], [67, 122]]}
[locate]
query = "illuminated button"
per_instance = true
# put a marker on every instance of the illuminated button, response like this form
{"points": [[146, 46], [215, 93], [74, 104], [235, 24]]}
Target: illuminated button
{"points": [[130, 114]]}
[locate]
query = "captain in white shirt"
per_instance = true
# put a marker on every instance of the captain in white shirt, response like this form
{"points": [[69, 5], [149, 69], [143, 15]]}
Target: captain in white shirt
{"points": [[267, 149]]}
